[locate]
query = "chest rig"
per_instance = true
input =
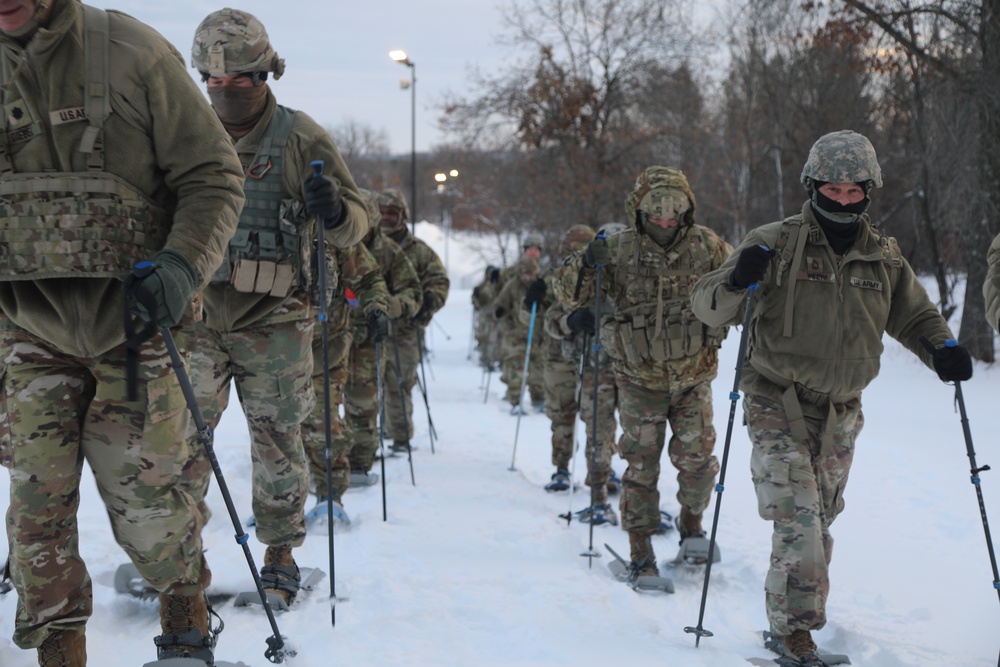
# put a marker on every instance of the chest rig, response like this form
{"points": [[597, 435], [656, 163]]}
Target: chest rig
{"points": [[269, 253], [653, 319], [57, 224]]}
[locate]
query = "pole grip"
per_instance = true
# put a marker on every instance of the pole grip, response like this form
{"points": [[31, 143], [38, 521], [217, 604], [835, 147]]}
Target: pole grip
{"points": [[317, 166]]}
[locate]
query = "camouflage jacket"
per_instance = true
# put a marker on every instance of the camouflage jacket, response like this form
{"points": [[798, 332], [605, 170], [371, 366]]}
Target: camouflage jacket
{"points": [[161, 137], [229, 310], [817, 322], [991, 286], [434, 282], [652, 335], [400, 278], [359, 273]]}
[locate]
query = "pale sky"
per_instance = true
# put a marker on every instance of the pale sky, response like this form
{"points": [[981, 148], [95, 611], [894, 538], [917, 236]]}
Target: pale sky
{"points": [[337, 54]]}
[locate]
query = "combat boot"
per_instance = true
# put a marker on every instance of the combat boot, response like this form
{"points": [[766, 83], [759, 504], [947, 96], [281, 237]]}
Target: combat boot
{"points": [[643, 559], [64, 648], [800, 645], [184, 622], [280, 574], [689, 524]]}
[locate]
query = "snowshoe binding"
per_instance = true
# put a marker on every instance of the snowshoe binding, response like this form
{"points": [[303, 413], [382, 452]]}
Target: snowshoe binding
{"points": [[598, 515], [559, 481]]}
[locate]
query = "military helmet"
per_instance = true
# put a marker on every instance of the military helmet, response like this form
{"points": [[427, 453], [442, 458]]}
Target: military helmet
{"points": [[661, 191], [231, 41], [842, 157], [612, 228], [577, 237], [533, 239], [371, 207], [394, 198]]}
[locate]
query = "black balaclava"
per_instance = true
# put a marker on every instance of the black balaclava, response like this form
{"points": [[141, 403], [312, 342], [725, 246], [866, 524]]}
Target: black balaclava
{"points": [[840, 222]]}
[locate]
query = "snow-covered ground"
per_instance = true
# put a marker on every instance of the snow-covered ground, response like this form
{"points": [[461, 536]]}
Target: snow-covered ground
{"points": [[473, 567]]}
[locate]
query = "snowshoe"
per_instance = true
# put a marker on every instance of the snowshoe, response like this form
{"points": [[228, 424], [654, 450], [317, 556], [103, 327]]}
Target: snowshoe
{"points": [[626, 572], [560, 481], [614, 483], [538, 406], [361, 478], [694, 550], [666, 523], [318, 513], [516, 410], [598, 515], [309, 578], [401, 447], [815, 658]]}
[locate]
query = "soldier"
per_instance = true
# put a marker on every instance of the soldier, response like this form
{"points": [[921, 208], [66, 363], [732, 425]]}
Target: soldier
{"points": [[514, 331], [991, 286], [361, 295], [568, 334], [103, 166], [259, 308], [664, 359], [483, 295], [408, 330], [815, 338], [361, 390]]}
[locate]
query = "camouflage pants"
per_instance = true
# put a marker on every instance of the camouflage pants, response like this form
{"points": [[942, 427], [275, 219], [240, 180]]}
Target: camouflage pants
{"points": [[398, 400], [59, 411], [361, 403], [561, 408], [644, 414], [271, 365], [800, 489], [314, 436], [487, 337], [513, 351]]}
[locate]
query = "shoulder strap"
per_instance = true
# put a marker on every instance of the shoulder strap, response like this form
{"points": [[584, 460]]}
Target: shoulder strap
{"points": [[97, 93], [790, 245]]}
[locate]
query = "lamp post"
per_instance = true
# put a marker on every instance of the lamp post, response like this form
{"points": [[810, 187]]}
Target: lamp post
{"points": [[400, 57], [446, 220]]}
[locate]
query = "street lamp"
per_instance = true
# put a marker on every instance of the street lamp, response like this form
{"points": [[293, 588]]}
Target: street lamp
{"points": [[401, 57], [446, 220]]}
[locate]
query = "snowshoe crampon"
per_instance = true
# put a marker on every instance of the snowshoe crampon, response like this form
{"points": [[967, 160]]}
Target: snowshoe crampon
{"points": [[623, 571], [694, 551]]}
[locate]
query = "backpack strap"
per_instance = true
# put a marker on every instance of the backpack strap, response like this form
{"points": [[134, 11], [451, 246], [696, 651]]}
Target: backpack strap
{"points": [[97, 92], [790, 246]]}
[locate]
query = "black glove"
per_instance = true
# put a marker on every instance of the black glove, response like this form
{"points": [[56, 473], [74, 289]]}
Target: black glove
{"points": [[378, 325], [597, 253], [476, 291], [535, 292], [425, 309], [582, 320], [952, 363], [495, 276], [323, 200], [499, 311], [165, 290], [751, 266]]}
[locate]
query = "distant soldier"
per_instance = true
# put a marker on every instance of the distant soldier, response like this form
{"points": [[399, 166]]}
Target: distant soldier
{"points": [[486, 332], [361, 390], [569, 335], [110, 156], [664, 358], [514, 331], [830, 286], [260, 306], [408, 330], [991, 286], [360, 295]]}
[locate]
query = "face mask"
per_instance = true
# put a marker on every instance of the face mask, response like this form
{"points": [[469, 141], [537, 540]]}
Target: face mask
{"points": [[43, 8], [843, 214], [662, 237], [238, 108]]}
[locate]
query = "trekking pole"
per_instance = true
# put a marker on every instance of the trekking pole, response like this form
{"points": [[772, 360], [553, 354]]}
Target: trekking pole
{"points": [[576, 417], [381, 419], [422, 382], [445, 332], [590, 554], [402, 399], [974, 468], [524, 380], [734, 396], [275, 652], [317, 166]]}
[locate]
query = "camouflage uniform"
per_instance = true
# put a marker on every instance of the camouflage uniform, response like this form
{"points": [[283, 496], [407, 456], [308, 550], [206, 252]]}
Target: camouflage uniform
{"points": [[359, 272], [260, 305], [406, 331], [176, 183], [814, 343], [991, 286], [664, 359], [486, 330], [514, 335]]}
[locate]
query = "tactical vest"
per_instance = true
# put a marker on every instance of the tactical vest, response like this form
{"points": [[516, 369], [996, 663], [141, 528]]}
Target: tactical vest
{"points": [[269, 253], [653, 319], [791, 245], [89, 224]]}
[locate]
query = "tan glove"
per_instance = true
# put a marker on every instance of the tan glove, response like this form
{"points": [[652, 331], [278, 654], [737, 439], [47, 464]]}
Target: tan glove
{"points": [[395, 308]]}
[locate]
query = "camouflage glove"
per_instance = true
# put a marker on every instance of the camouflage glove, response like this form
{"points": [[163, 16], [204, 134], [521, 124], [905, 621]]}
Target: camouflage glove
{"points": [[535, 292], [953, 364], [750, 266], [323, 200], [495, 276], [378, 325], [582, 320], [597, 253], [395, 308], [168, 286]]}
